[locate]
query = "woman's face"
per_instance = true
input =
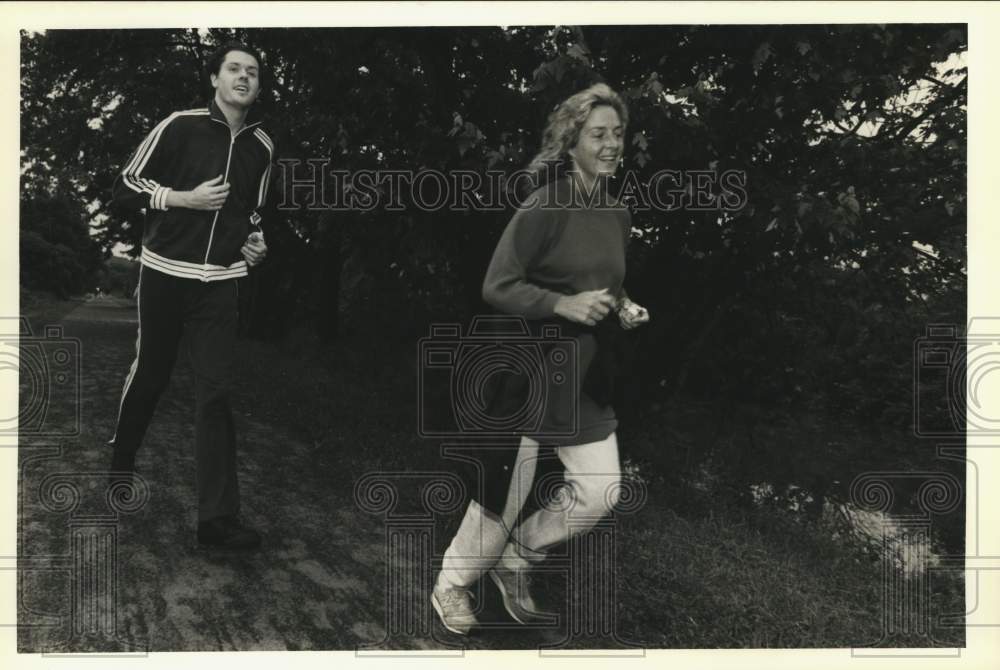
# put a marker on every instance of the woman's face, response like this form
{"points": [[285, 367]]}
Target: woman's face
{"points": [[599, 146]]}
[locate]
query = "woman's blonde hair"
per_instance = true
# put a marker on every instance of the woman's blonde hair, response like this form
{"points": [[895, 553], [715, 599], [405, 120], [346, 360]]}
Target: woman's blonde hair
{"points": [[562, 130]]}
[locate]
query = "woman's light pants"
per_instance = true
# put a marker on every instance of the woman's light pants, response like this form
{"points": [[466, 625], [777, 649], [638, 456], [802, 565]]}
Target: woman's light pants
{"points": [[591, 489]]}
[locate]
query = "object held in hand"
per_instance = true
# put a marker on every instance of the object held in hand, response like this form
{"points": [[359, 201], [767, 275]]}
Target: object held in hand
{"points": [[256, 236], [630, 309]]}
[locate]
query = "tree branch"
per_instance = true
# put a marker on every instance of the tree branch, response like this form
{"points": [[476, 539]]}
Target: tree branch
{"points": [[933, 108], [926, 254], [851, 131]]}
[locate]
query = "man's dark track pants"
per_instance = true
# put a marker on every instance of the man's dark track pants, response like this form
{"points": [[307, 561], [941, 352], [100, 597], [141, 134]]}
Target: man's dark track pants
{"points": [[202, 316]]}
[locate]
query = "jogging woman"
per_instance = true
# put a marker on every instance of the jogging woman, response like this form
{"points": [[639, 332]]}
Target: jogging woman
{"points": [[561, 259]]}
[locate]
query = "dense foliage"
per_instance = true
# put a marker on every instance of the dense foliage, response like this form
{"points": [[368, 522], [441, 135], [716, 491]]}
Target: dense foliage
{"points": [[57, 254], [852, 138]]}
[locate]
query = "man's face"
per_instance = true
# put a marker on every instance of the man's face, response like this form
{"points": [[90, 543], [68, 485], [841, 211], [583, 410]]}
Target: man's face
{"points": [[238, 81]]}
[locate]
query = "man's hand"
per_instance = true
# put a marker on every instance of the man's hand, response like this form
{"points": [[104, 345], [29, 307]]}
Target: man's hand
{"points": [[254, 249], [588, 307], [207, 196], [632, 314]]}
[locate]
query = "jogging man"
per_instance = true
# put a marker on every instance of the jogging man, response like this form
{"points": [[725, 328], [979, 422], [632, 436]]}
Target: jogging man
{"points": [[202, 177]]}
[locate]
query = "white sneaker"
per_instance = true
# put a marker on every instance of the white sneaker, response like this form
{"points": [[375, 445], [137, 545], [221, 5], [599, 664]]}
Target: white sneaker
{"points": [[454, 608]]}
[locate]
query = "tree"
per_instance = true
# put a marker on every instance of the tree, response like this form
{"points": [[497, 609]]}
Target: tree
{"points": [[56, 251], [807, 295]]}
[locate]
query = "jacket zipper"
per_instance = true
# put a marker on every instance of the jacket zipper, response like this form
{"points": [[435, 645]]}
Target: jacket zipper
{"points": [[225, 179]]}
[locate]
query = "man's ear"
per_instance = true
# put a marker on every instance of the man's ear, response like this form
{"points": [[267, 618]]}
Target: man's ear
{"points": [[214, 78]]}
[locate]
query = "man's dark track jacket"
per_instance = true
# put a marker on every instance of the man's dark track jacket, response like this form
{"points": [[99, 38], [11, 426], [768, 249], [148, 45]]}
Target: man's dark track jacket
{"points": [[184, 150]]}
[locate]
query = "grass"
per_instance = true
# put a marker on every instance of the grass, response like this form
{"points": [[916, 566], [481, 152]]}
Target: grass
{"points": [[706, 577], [43, 308], [717, 582], [312, 419]]}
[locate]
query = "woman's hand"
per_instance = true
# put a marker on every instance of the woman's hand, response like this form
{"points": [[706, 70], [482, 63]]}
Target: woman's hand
{"points": [[632, 314], [587, 307]]}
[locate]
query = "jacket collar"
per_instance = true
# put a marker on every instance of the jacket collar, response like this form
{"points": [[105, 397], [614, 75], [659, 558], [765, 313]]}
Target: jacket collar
{"points": [[253, 117]]}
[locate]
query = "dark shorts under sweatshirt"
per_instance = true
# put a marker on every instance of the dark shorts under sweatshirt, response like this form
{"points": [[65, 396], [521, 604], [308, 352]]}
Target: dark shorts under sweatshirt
{"points": [[558, 244]]}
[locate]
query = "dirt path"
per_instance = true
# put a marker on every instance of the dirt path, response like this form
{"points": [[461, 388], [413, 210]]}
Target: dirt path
{"points": [[319, 581]]}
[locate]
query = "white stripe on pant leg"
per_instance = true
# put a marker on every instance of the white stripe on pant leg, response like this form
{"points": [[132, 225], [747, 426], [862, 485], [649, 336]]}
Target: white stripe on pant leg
{"points": [[135, 363]]}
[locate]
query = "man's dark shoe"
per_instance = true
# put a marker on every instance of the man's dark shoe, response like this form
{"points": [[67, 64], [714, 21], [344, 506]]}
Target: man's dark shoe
{"points": [[227, 532]]}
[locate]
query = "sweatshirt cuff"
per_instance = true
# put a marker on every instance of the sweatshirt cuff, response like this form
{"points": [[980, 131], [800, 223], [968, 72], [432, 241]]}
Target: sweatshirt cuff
{"points": [[159, 198], [548, 304]]}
